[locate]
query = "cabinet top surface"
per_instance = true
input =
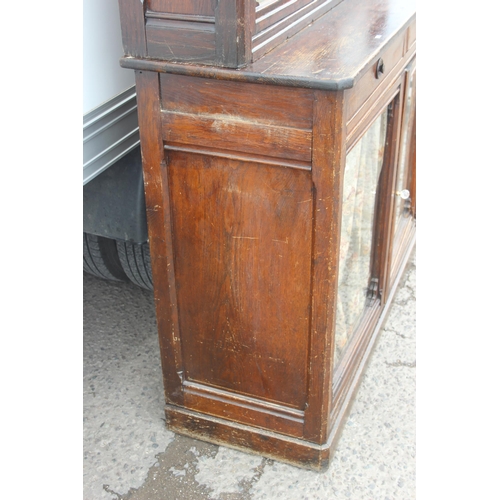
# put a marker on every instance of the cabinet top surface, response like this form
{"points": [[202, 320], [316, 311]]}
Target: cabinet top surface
{"points": [[329, 54]]}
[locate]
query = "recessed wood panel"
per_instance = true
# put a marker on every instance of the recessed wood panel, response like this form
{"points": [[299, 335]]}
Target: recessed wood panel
{"points": [[193, 7], [180, 41], [242, 256]]}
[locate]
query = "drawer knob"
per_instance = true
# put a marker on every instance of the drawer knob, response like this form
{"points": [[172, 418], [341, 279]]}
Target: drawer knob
{"points": [[405, 194], [380, 68]]}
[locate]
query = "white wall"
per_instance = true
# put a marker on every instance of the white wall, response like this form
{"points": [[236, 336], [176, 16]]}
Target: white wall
{"points": [[103, 78]]}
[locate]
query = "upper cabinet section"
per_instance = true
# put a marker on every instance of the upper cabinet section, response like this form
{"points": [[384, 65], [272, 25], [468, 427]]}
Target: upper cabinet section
{"points": [[224, 33]]}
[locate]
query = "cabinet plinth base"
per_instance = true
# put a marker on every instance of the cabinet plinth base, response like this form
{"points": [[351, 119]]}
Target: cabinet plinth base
{"points": [[249, 439]]}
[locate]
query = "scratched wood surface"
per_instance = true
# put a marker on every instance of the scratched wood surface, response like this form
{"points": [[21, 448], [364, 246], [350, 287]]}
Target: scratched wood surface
{"points": [[251, 102], [242, 252], [243, 178], [233, 22], [339, 45], [332, 53], [193, 7]]}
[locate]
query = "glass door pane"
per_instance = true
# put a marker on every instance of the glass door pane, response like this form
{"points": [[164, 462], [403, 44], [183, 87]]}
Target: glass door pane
{"points": [[361, 178], [404, 191], [402, 204]]}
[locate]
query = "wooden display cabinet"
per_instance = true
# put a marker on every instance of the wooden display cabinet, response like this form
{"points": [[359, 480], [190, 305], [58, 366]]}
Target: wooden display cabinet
{"points": [[277, 225]]}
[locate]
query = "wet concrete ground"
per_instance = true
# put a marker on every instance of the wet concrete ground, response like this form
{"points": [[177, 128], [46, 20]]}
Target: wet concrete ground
{"points": [[130, 455]]}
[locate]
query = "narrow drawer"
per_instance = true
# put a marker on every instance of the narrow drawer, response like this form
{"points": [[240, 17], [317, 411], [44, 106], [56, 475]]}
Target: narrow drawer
{"points": [[412, 34], [369, 82]]}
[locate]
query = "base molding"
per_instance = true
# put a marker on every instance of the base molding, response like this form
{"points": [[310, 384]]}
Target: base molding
{"points": [[248, 439]]}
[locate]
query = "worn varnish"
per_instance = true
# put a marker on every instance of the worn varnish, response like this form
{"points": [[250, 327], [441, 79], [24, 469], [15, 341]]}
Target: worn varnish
{"points": [[244, 178], [242, 287], [243, 31]]}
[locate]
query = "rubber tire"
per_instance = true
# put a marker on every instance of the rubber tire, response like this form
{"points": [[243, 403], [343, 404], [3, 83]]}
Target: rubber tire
{"points": [[100, 258], [136, 262]]}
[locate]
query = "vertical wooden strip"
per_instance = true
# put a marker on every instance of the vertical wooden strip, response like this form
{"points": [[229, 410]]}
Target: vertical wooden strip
{"points": [[384, 224], [327, 173], [413, 152], [133, 27], [160, 232], [234, 24]]}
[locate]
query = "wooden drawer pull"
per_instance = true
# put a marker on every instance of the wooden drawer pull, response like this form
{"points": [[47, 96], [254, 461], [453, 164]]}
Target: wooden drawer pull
{"points": [[380, 68]]}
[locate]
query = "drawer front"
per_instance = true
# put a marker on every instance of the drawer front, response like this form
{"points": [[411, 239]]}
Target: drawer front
{"points": [[412, 35]]}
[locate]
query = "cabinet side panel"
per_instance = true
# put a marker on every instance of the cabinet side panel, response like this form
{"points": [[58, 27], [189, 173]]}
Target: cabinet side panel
{"points": [[242, 252], [180, 40]]}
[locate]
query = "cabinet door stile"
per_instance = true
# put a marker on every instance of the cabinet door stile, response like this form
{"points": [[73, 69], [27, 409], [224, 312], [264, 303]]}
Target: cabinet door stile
{"points": [[383, 229], [328, 157], [160, 231]]}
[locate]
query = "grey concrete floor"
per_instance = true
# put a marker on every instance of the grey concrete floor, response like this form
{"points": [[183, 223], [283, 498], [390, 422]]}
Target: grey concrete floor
{"points": [[130, 455]]}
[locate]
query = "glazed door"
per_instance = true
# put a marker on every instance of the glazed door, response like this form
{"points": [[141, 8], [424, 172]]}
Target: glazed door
{"points": [[405, 188], [365, 235]]}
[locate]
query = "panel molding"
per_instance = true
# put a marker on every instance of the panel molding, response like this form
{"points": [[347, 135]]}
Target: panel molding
{"points": [[245, 409]]}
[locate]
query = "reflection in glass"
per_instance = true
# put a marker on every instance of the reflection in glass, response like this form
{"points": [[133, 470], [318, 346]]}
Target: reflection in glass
{"points": [[402, 170], [362, 170]]}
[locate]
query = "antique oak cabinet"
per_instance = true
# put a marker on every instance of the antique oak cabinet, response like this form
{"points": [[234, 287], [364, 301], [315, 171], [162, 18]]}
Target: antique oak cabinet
{"points": [[278, 146]]}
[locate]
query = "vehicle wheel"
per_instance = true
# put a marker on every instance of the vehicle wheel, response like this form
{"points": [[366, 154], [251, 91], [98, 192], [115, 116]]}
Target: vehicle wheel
{"points": [[136, 262], [100, 258]]}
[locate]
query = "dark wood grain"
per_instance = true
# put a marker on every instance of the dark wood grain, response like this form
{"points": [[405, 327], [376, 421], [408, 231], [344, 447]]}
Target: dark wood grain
{"points": [[132, 26], [180, 40], [413, 153], [160, 233], [235, 20], [328, 159], [270, 14], [282, 23], [404, 220], [243, 409], [368, 83], [332, 54], [245, 438], [343, 42], [254, 137], [242, 247], [193, 7], [244, 176]]}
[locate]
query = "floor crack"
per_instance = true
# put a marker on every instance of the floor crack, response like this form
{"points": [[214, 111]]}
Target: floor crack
{"points": [[409, 364]]}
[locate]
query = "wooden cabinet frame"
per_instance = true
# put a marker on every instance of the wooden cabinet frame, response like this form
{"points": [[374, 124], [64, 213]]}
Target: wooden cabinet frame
{"points": [[244, 176], [226, 33]]}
